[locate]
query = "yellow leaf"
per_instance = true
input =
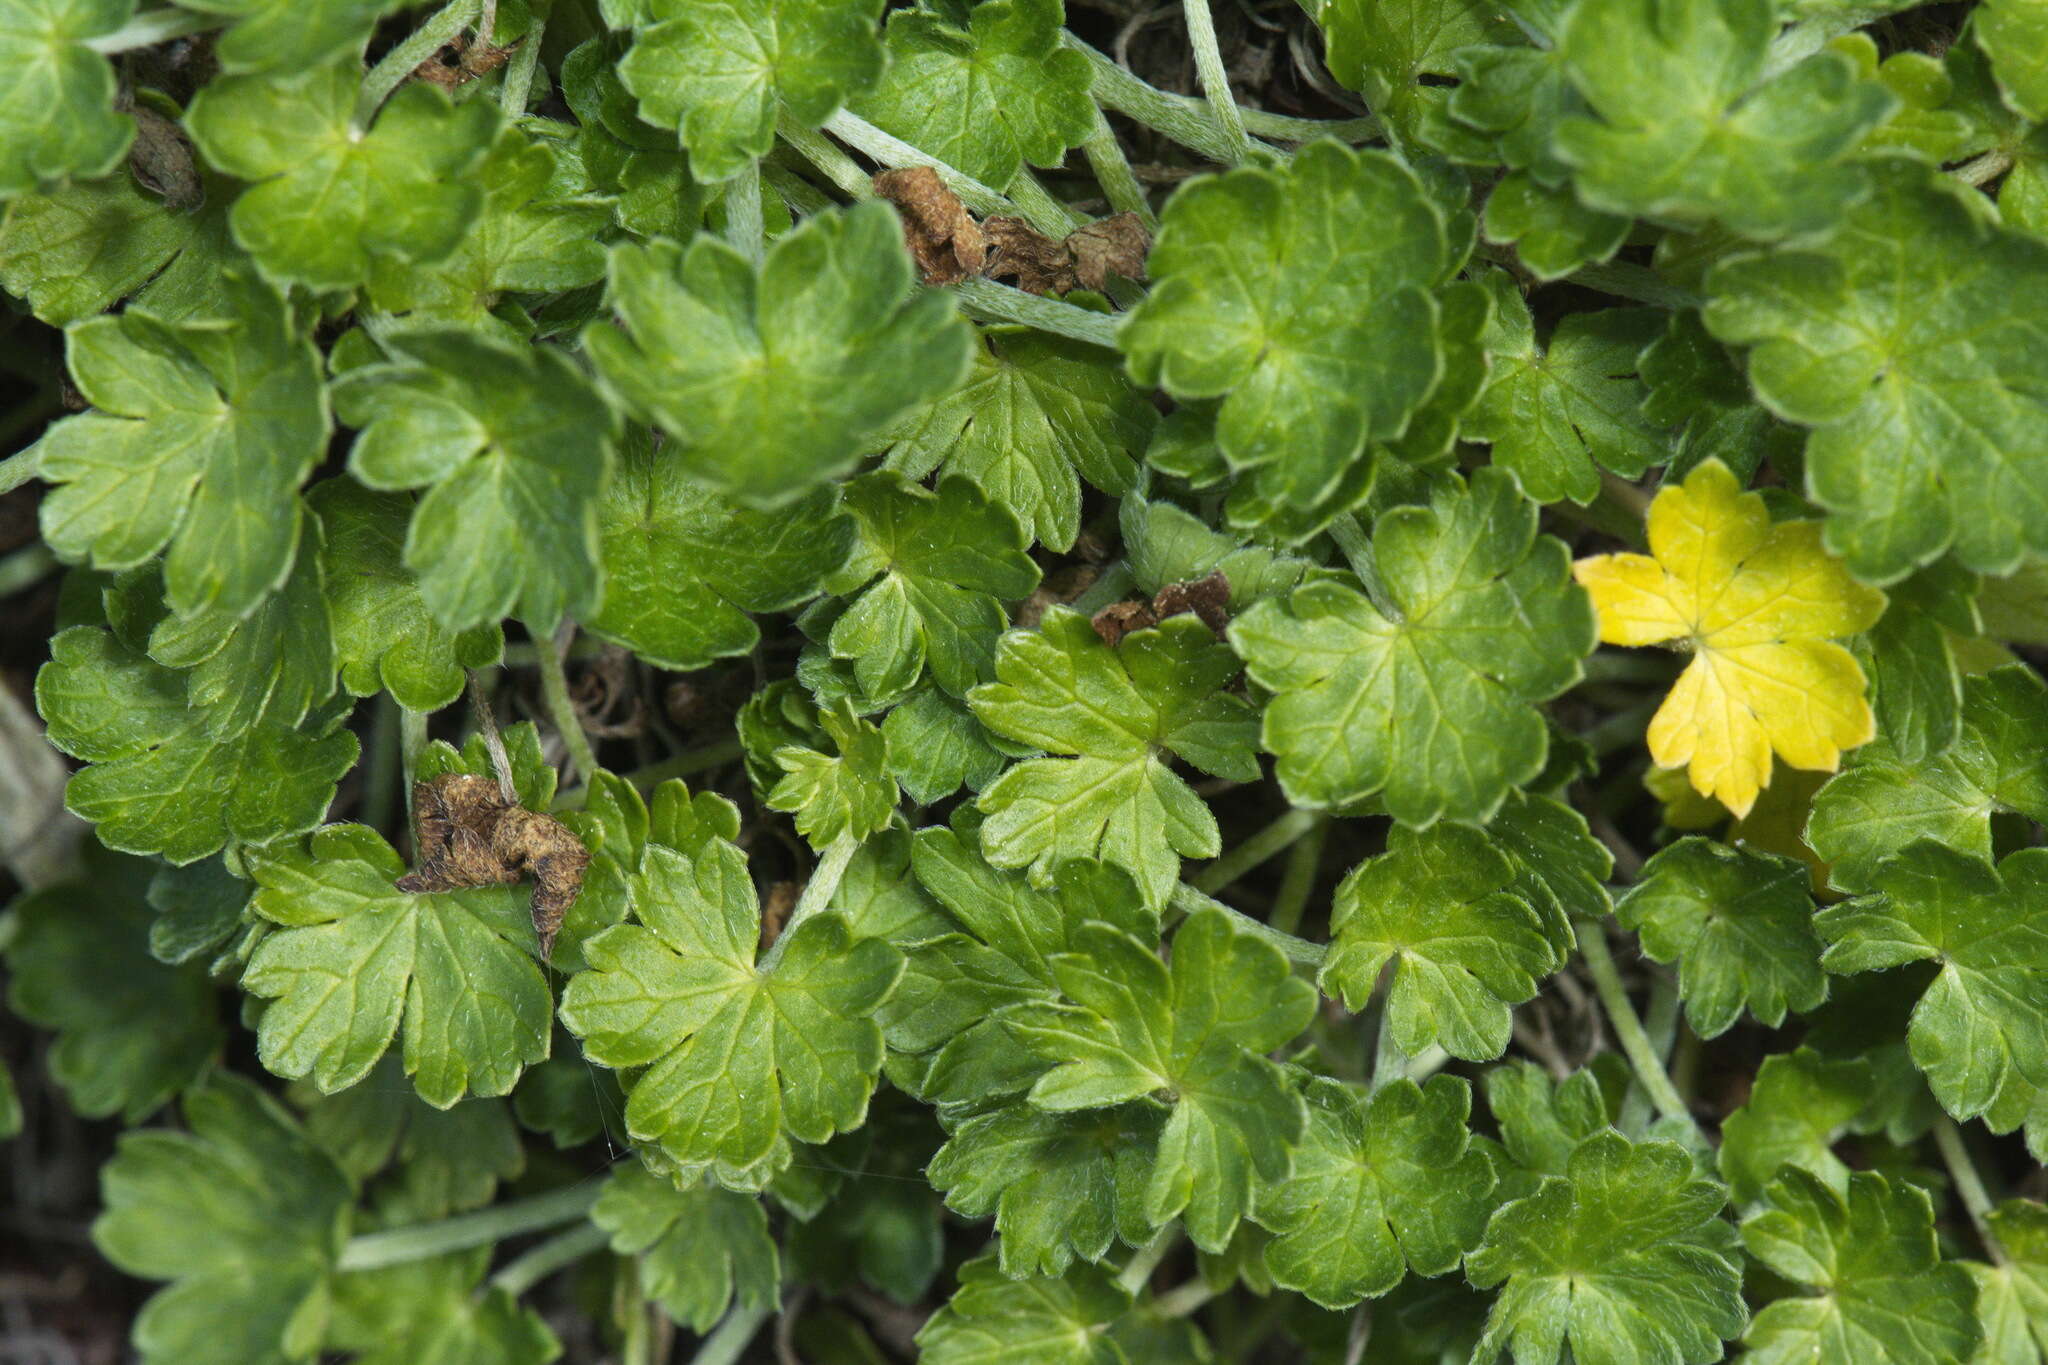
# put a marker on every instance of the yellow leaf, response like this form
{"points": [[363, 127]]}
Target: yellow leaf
{"points": [[1759, 606]]}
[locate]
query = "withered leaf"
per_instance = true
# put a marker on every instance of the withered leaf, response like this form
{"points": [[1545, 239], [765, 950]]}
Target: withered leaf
{"points": [[1119, 619], [944, 240], [1208, 598], [462, 59], [1116, 245], [471, 836], [1020, 252]]}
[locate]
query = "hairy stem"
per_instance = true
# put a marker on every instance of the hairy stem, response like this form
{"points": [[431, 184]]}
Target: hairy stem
{"points": [[1038, 206], [818, 892], [1969, 1185], [1187, 900], [992, 302], [1250, 853], [519, 72], [729, 1339], [1215, 79], [412, 742], [1137, 1271], [1357, 551], [19, 468], [836, 166], [1300, 880], [1188, 122], [1113, 172], [744, 228], [1628, 1028], [397, 1246], [554, 686], [401, 61], [564, 1249], [1184, 1299]]}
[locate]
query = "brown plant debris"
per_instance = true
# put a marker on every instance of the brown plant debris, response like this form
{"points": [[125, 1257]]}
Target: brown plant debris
{"points": [[943, 237], [463, 58], [471, 836], [1207, 598], [949, 246]]}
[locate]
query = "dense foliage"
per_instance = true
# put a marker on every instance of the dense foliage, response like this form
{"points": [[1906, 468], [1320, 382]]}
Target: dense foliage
{"points": [[1408, 735]]}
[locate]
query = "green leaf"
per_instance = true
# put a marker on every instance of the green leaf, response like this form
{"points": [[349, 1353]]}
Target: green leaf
{"points": [[700, 1248], [329, 198], [1799, 1105], [131, 1031], [10, 1104], [75, 251], [836, 796], [1624, 1256], [525, 238], [57, 114], [197, 907], [1884, 1292], [988, 97], [1062, 1186], [1384, 50], [1559, 415], [1197, 1030], [354, 959], [202, 433], [718, 71], [1109, 715], [1037, 415], [740, 1057], [242, 1213], [1165, 544], [1986, 1014], [1738, 922], [284, 36], [1543, 1121], [1431, 709], [385, 639], [1443, 907], [936, 746], [1379, 1188], [1880, 802], [161, 778], [927, 584], [1916, 688], [883, 1226], [438, 1309], [1688, 127], [1045, 1320], [2014, 34], [684, 563], [2012, 1297], [773, 380], [269, 667], [1552, 232], [1317, 339], [513, 446], [438, 1161], [1860, 339]]}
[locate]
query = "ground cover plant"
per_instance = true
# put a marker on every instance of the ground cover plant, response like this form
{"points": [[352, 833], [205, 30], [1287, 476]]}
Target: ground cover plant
{"points": [[806, 680]]}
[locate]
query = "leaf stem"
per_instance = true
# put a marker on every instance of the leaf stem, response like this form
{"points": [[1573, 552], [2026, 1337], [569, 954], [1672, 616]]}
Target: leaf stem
{"points": [[836, 166], [1388, 1060], [1661, 1027], [412, 742], [529, 1268], [895, 153], [156, 26], [391, 70], [688, 763], [381, 781], [1250, 853], [1300, 880], [19, 468], [1038, 206], [992, 302], [1138, 1270], [744, 227], [24, 568], [1628, 1028], [1983, 169], [730, 1337], [1187, 900], [1184, 1299], [1113, 172], [818, 893], [518, 88], [397, 1246], [1188, 122], [554, 686], [1215, 79], [1969, 1184], [1357, 551]]}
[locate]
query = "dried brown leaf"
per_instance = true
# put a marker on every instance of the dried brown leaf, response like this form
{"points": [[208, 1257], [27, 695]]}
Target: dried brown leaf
{"points": [[1119, 619], [944, 240], [470, 836], [1208, 598], [1116, 245], [1020, 252]]}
